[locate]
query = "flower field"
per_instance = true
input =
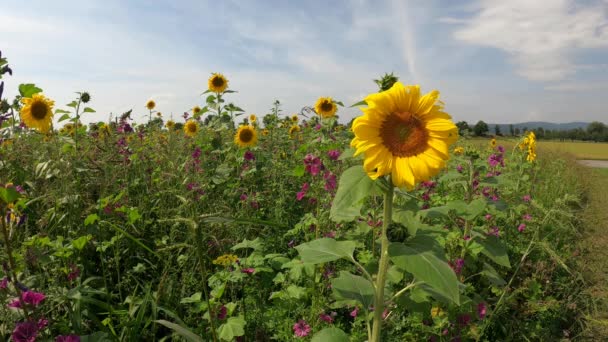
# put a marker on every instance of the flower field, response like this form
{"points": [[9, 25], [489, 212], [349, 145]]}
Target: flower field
{"points": [[230, 226]]}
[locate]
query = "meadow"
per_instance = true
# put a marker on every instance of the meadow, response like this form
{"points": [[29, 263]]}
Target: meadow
{"points": [[229, 226]]}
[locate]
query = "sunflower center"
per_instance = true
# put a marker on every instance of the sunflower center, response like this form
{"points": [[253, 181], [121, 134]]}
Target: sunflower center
{"points": [[217, 81], [246, 135], [192, 128], [327, 106], [404, 134], [39, 110]]}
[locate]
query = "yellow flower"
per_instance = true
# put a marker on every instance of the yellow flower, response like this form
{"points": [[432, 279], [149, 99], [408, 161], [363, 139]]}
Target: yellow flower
{"points": [[253, 118], [150, 104], [170, 124], [493, 143], [459, 150], [217, 83], [37, 112], [159, 114], [326, 107], [265, 132], [293, 129], [404, 134], [196, 110], [225, 260], [436, 311], [191, 128], [246, 136], [294, 118]]}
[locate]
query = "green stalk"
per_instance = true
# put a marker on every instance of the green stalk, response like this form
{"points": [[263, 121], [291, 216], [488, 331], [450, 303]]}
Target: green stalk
{"points": [[383, 268], [11, 262], [198, 236]]}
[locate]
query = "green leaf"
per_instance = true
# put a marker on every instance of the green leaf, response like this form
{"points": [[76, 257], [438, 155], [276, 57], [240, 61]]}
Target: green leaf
{"points": [[183, 332], [91, 219], [355, 186], [325, 250], [81, 242], [350, 286], [9, 195], [330, 335], [492, 275], [195, 298], [423, 258], [235, 326], [64, 117], [298, 171], [72, 104], [29, 89], [475, 208], [360, 103], [494, 249], [253, 244], [88, 110]]}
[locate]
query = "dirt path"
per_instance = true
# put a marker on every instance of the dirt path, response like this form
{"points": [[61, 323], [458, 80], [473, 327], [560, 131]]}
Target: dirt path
{"points": [[594, 163], [595, 252]]}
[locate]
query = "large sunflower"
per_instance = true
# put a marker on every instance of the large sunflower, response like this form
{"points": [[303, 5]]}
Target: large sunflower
{"points": [[326, 107], [37, 112], [217, 83], [191, 128], [404, 134], [246, 136]]}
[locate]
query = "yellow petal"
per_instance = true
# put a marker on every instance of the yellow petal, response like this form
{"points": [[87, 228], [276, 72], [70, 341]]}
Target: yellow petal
{"points": [[402, 174], [426, 103], [420, 168]]}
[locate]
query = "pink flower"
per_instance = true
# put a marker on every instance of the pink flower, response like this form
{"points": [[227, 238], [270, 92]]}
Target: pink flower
{"points": [[25, 332], [494, 231], [526, 198], [249, 155], [355, 312], [330, 181], [303, 191], [313, 165], [527, 217], [488, 217], [333, 154], [248, 270], [75, 273], [222, 313], [481, 310], [68, 338], [33, 298], [457, 265], [330, 234], [301, 329], [521, 227], [326, 318], [459, 168], [243, 197], [3, 283]]}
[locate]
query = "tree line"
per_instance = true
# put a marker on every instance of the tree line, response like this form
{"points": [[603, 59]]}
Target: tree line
{"points": [[595, 131]]}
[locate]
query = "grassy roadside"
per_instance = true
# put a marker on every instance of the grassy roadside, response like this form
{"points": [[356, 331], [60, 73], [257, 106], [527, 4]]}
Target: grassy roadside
{"points": [[594, 251]]}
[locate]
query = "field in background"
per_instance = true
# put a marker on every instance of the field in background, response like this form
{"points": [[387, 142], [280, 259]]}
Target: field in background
{"points": [[580, 150]]}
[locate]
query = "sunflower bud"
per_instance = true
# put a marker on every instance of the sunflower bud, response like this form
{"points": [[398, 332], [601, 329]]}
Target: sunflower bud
{"points": [[85, 97], [386, 82]]}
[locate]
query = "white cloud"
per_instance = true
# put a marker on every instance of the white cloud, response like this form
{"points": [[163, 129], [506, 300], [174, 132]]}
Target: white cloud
{"points": [[542, 36]]}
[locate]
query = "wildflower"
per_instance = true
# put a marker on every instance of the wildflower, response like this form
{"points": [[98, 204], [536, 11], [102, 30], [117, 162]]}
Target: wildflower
{"points": [[330, 234], [501, 149], [197, 153], [459, 168], [217, 83], [458, 150], [68, 338], [253, 118], [488, 217], [191, 128], [404, 134], [457, 265], [494, 231], [294, 118], [248, 270], [521, 228], [225, 260], [246, 136], [243, 197], [150, 104], [355, 312], [74, 273], [481, 310], [527, 217], [25, 332], [37, 112], [464, 320], [302, 192], [293, 130], [333, 154], [313, 165], [330, 181], [526, 198], [249, 156], [301, 329], [326, 318], [325, 107], [223, 312], [317, 127]]}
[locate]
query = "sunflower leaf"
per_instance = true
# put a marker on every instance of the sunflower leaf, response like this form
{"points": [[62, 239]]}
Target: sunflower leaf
{"points": [[28, 89], [355, 186]]}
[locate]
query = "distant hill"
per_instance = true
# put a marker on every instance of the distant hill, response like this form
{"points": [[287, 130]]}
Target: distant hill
{"points": [[504, 128]]}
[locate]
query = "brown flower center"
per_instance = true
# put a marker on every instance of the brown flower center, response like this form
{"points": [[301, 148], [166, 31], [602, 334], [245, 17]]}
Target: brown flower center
{"points": [[217, 81], [404, 134], [192, 128], [39, 110], [327, 106], [246, 135]]}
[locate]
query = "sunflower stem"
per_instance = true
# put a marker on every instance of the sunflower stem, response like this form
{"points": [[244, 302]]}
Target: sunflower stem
{"points": [[383, 267], [198, 236]]}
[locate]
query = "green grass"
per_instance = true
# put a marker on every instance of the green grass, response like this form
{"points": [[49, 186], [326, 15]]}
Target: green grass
{"points": [[579, 149]]}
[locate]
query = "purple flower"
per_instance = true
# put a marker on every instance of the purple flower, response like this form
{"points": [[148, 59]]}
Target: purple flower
{"points": [[494, 231], [318, 127], [459, 168], [481, 310], [3, 283], [326, 318], [75, 272], [313, 164], [428, 184], [243, 197], [426, 196], [249, 155], [197, 153], [330, 181], [500, 149], [334, 154], [25, 332], [527, 217], [42, 323], [301, 329], [67, 338], [457, 265], [302, 193], [33, 298], [464, 320], [222, 313], [488, 217], [248, 270], [521, 227], [526, 198], [331, 234]]}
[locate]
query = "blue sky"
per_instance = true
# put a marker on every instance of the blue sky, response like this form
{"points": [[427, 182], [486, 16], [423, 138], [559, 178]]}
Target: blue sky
{"points": [[500, 61]]}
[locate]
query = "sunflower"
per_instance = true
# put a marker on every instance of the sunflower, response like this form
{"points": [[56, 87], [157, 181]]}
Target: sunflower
{"points": [[170, 124], [404, 134], [294, 118], [191, 128], [217, 83], [459, 150], [159, 114], [37, 112], [246, 136], [493, 143], [293, 130], [253, 118], [265, 132], [326, 107], [150, 104], [196, 110]]}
